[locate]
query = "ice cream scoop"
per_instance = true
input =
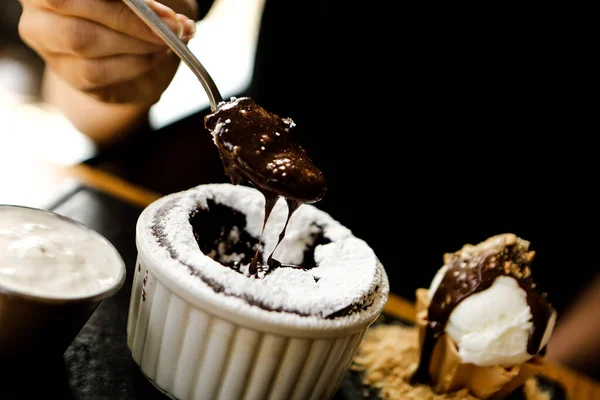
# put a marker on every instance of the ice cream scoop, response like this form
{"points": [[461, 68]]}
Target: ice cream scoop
{"points": [[484, 300], [492, 327]]}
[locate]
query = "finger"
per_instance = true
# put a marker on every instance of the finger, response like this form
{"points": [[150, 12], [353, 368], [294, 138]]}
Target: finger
{"points": [[189, 28], [55, 33], [144, 90], [113, 14], [88, 74]]}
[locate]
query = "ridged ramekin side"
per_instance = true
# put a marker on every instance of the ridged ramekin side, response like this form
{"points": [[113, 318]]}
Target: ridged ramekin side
{"points": [[190, 353]]}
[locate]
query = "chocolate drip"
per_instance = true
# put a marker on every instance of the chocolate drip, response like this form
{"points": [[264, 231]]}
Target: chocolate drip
{"points": [[270, 201], [541, 312], [258, 146], [292, 207], [220, 232], [470, 273]]}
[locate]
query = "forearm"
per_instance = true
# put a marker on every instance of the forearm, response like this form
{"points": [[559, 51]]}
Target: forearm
{"points": [[576, 338], [104, 123]]}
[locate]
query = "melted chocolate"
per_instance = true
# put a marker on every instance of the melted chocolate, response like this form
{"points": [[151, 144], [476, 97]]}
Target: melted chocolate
{"points": [[220, 232], [474, 273], [258, 146]]}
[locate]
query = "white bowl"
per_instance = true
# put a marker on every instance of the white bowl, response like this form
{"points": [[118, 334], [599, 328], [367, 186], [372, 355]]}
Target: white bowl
{"points": [[194, 343], [40, 315]]}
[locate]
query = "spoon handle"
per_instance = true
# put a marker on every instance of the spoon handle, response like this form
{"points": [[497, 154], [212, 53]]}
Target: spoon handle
{"points": [[178, 46]]}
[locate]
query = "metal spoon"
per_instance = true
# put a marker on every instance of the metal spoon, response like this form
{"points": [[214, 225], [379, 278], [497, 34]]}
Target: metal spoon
{"points": [[162, 29]]}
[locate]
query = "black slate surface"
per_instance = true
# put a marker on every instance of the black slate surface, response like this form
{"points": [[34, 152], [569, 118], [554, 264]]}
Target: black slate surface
{"points": [[98, 363]]}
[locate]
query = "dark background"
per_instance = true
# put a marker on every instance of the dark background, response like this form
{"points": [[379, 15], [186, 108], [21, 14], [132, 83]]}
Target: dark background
{"points": [[435, 127]]}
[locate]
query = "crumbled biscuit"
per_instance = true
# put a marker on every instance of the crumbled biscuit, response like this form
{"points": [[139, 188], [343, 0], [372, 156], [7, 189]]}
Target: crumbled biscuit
{"points": [[388, 356]]}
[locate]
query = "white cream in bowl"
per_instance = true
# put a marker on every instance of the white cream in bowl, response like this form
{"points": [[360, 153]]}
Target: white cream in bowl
{"points": [[45, 255]]}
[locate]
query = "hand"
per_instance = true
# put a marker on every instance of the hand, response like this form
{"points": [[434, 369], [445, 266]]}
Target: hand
{"points": [[100, 47]]}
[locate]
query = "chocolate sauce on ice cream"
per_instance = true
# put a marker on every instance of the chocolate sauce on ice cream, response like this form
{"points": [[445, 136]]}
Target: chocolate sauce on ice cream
{"points": [[258, 146], [474, 269]]}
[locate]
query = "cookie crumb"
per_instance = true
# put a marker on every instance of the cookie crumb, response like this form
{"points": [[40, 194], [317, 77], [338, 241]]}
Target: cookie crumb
{"points": [[388, 356]]}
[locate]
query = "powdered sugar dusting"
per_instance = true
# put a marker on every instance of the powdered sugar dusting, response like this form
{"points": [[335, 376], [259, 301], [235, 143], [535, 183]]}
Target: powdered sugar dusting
{"points": [[225, 105], [347, 273]]}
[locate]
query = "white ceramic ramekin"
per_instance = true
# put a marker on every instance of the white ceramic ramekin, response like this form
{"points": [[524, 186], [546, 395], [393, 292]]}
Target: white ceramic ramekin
{"points": [[191, 346]]}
